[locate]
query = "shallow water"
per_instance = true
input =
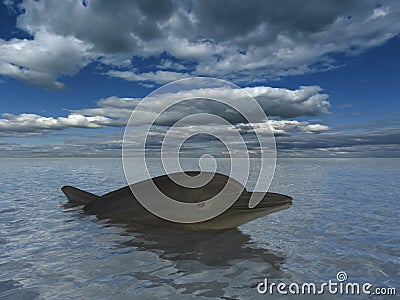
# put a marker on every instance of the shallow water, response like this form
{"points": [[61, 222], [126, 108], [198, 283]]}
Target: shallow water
{"points": [[344, 218]]}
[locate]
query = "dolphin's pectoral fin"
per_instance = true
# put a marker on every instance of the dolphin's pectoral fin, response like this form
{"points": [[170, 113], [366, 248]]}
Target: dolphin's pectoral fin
{"points": [[78, 197]]}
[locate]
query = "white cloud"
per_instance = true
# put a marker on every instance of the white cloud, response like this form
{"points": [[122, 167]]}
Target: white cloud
{"points": [[166, 64], [380, 12], [285, 103], [230, 39], [17, 125], [283, 127], [41, 60], [41, 79], [158, 76]]}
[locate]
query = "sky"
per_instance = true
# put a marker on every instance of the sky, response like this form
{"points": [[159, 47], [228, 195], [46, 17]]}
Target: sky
{"points": [[326, 73]]}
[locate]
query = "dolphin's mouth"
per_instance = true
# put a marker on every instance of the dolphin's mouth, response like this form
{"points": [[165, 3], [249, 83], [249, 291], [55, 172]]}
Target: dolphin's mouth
{"points": [[269, 200]]}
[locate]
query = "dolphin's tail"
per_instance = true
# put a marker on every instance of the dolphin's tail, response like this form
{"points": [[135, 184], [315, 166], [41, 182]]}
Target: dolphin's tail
{"points": [[77, 196]]}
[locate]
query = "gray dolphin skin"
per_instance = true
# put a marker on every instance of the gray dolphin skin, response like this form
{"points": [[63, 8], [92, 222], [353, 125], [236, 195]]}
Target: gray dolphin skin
{"points": [[121, 206]]}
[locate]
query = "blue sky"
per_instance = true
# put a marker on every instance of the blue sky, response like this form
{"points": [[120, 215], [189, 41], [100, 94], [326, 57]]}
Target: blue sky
{"points": [[57, 63]]}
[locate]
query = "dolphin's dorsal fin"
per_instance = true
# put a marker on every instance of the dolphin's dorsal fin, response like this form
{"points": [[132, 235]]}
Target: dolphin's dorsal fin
{"points": [[78, 196]]}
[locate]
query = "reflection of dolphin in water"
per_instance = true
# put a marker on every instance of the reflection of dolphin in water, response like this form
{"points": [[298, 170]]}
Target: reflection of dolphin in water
{"points": [[122, 206], [215, 264], [208, 247]]}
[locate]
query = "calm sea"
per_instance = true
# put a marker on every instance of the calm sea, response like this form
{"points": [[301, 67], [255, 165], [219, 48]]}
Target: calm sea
{"points": [[345, 217]]}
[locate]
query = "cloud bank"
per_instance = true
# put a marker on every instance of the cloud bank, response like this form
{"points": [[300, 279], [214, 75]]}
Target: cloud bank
{"points": [[276, 102], [115, 111], [236, 40], [378, 143]]}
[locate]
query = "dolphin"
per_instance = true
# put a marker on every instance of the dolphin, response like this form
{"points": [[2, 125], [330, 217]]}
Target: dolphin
{"points": [[121, 206]]}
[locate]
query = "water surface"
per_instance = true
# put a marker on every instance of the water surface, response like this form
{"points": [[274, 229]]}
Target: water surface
{"points": [[344, 218]]}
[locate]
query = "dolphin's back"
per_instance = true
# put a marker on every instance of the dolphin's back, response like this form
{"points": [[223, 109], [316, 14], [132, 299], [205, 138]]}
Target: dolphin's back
{"points": [[193, 195], [119, 203], [122, 204]]}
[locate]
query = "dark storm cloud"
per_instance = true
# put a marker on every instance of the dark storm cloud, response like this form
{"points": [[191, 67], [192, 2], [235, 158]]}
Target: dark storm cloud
{"points": [[110, 26], [229, 19]]}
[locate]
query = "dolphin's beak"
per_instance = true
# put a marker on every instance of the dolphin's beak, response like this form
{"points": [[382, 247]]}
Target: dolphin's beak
{"points": [[240, 212], [269, 200]]}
